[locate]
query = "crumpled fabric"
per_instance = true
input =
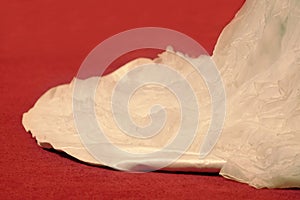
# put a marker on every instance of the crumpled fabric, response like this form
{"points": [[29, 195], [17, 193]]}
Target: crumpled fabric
{"points": [[263, 86], [258, 56]]}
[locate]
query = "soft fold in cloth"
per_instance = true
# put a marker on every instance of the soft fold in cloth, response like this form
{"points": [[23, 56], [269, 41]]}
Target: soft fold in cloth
{"points": [[258, 56]]}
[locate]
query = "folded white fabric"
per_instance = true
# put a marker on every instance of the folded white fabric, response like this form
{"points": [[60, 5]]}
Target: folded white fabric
{"points": [[258, 56]]}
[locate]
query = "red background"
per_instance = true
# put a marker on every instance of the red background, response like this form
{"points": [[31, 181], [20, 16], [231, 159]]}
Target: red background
{"points": [[42, 44]]}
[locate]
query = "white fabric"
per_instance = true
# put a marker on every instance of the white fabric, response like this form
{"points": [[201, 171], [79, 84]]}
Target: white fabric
{"points": [[258, 55]]}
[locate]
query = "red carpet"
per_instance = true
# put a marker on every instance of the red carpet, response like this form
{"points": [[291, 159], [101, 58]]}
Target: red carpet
{"points": [[42, 44]]}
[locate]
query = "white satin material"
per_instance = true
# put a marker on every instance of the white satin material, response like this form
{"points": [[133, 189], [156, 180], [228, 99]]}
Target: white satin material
{"points": [[258, 55]]}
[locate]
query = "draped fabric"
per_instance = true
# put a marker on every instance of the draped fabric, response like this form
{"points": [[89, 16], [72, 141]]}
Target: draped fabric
{"points": [[258, 56]]}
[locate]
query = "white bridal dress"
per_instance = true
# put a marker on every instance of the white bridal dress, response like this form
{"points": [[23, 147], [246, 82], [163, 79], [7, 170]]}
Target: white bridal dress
{"points": [[258, 57]]}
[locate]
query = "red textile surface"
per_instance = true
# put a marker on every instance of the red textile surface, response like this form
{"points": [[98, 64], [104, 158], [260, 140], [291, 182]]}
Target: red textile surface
{"points": [[42, 44]]}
